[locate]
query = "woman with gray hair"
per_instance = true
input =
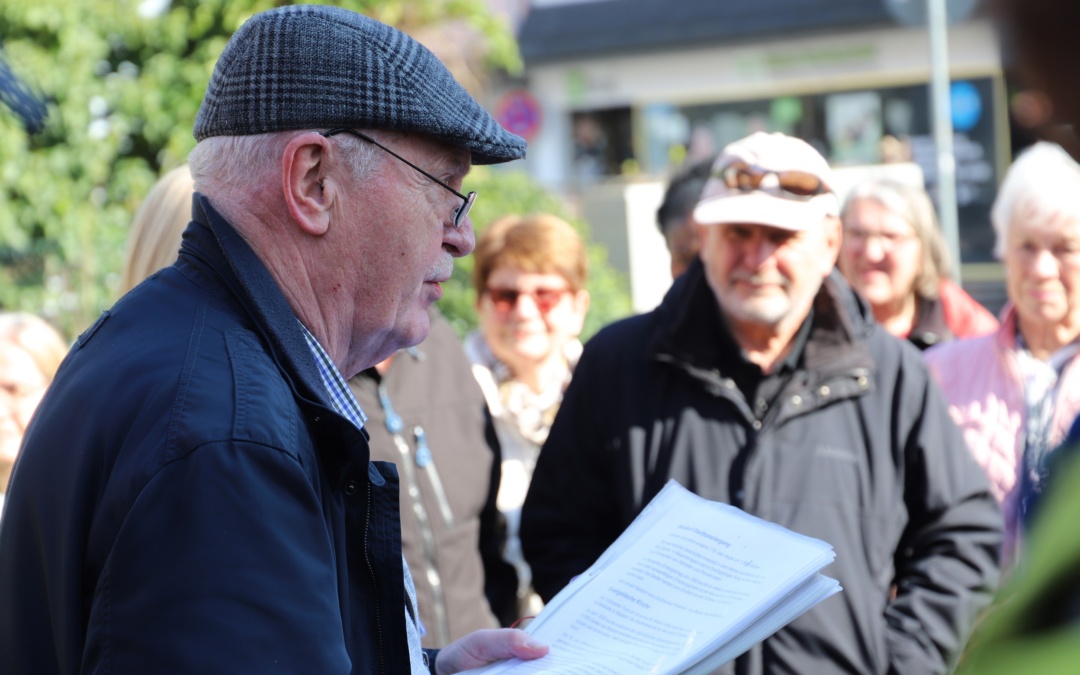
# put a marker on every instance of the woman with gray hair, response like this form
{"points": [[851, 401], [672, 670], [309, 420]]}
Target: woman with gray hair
{"points": [[1015, 392], [894, 255]]}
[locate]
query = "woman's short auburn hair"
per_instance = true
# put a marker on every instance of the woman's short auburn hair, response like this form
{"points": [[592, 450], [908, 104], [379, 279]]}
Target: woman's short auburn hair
{"points": [[538, 243]]}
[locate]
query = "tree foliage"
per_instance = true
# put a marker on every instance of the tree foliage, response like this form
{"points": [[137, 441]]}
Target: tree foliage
{"points": [[123, 81]]}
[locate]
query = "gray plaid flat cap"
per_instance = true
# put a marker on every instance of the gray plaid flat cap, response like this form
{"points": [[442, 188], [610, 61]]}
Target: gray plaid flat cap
{"points": [[319, 67]]}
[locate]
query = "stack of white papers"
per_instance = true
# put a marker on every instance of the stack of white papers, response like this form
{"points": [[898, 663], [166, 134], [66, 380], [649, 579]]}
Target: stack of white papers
{"points": [[690, 585]]}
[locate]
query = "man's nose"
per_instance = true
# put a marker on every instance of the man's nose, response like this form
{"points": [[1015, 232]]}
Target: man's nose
{"points": [[461, 240], [761, 252]]}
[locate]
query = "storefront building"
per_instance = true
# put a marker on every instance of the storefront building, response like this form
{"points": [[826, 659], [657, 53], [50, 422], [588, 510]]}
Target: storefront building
{"points": [[626, 90]]}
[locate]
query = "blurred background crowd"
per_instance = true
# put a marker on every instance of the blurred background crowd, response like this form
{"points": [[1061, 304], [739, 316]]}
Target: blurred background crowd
{"points": [[624, 122]]}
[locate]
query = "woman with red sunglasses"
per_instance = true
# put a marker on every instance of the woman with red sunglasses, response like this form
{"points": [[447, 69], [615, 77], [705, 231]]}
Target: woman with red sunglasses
{"points": [[529, 276]]}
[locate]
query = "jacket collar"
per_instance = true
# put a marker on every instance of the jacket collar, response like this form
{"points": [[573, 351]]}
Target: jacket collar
{"points": [[1006, 334], [930, 327], [695, 333], [243, 274], [246, 276], [842, 322]]}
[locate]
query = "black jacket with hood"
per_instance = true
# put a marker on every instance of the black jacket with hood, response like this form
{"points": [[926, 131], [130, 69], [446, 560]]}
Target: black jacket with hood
{"points": [[857, 449]]}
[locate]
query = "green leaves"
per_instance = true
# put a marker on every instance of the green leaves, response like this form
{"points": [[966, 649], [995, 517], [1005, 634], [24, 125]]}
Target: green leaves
{"points": [[124, 80]]}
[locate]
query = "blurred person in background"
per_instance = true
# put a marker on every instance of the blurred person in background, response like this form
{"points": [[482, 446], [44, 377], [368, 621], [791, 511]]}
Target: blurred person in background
{"points": [[675, 217], [529, 274], [30, 353], [895, 256], [1032, 625], [762, 381], [154, 240], [428, 415], [1015, 392]]}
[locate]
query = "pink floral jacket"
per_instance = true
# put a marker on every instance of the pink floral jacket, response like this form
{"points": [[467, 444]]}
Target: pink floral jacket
{"points": [[981, 380]]}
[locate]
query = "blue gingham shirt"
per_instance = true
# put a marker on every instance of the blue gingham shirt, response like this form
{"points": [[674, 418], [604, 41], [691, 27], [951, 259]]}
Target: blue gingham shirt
{"points": [[346, 405]]}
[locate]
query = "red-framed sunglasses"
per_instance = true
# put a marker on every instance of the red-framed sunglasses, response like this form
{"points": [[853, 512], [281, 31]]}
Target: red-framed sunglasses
{"points": [[545, 299]]}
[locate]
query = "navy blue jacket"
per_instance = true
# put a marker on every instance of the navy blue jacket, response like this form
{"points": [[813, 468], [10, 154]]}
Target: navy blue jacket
{"points": [[186, 500]]}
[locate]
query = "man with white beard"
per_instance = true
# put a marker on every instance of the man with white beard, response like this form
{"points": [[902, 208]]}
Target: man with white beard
{"points": [[763, 381]]}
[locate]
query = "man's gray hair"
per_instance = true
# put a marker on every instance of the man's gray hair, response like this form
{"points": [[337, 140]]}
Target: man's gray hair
{"points": [[1041, 185], [231, 168]]}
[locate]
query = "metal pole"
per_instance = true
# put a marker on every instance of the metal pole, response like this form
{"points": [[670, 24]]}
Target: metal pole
{"points": [[943, 130]]}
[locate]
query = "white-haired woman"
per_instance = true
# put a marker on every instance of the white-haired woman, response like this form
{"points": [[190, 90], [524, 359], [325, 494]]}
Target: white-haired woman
{"points": [[1015, 392]]}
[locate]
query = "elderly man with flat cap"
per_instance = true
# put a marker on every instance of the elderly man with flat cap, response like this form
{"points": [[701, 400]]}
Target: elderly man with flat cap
{"points": [[762, 381], [195, 492]]}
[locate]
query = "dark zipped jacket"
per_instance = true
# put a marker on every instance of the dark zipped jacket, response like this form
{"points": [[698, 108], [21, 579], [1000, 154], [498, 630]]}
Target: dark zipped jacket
{"points": [[857, 449], [186, 499]]}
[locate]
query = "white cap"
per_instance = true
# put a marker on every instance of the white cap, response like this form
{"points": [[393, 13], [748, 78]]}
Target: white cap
{"points": [[768, 204]]}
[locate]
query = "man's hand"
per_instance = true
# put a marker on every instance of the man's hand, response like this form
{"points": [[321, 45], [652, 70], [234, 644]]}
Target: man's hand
{"points": [[484, 646]]}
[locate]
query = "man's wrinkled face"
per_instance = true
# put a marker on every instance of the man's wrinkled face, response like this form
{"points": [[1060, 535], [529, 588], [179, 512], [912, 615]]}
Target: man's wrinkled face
{"points": [[400, 242], [767, 276]]}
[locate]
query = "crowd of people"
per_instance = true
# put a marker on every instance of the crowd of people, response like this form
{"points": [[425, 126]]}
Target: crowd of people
{"points": [[273, 453], [762, 381]]}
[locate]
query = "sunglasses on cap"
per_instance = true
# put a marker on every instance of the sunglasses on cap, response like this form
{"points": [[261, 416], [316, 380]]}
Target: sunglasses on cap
{"points": [[745, 178], [506, 299]]}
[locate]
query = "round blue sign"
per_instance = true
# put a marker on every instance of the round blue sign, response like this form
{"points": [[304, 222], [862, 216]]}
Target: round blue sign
{"points": [[966, 106]]}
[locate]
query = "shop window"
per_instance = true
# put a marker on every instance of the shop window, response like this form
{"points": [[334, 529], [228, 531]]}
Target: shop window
{"points": [[855, 127], [602, 143]]}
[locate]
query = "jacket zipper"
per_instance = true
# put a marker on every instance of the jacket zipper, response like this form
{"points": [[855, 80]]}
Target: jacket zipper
{"points": [[374, 581]]}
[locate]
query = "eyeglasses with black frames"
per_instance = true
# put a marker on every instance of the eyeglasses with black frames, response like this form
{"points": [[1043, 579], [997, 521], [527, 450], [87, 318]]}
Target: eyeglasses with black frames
{"points": [[467, 200]]}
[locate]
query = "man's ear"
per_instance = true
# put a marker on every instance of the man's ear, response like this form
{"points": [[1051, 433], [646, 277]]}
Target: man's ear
{"points": [[309, 195]]}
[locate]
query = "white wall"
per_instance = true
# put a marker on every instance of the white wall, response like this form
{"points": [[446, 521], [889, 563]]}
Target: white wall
{"points": [[622, 218]]}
